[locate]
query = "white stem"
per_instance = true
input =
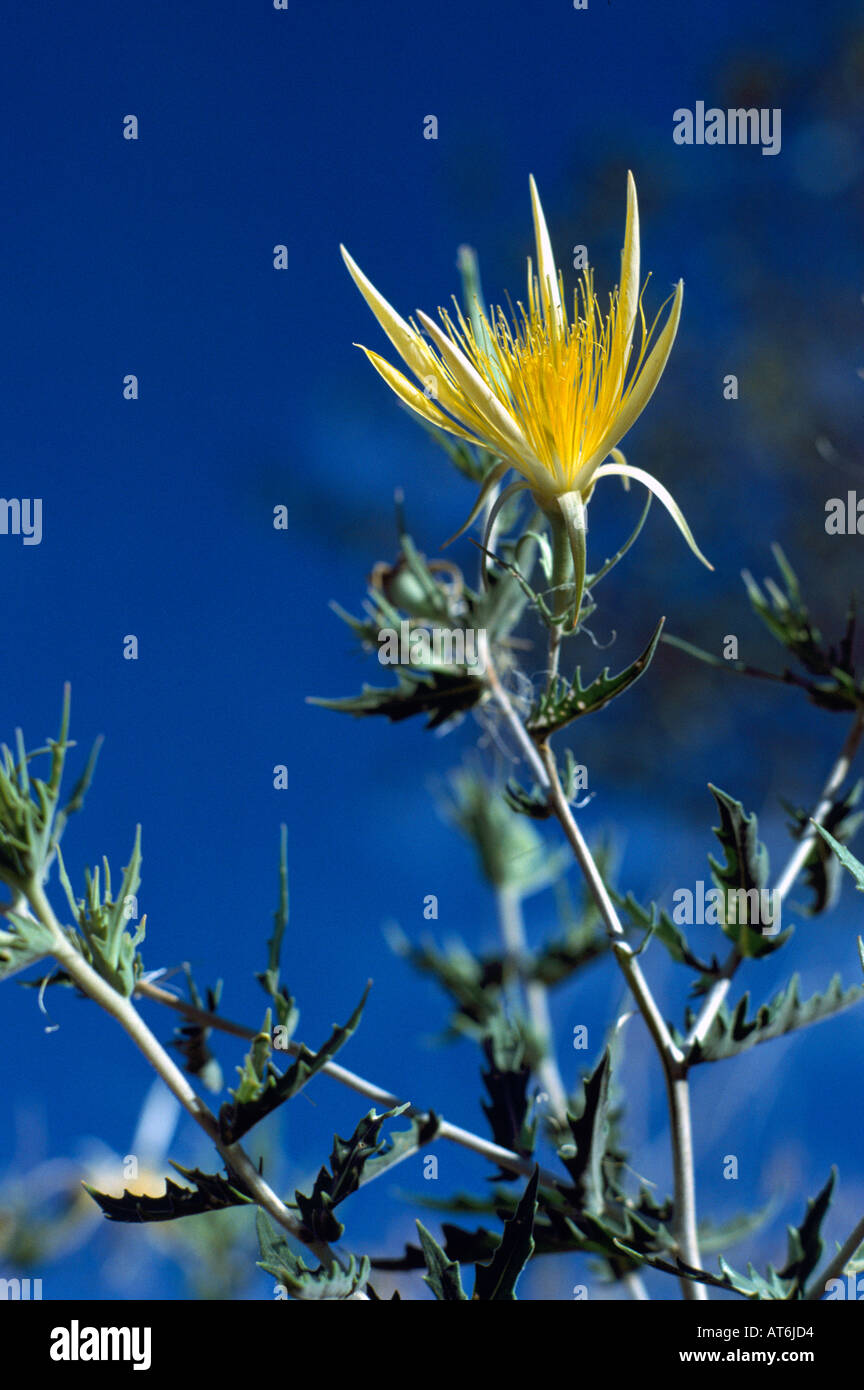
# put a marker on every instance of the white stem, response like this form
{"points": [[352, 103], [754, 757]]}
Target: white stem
{"points": [[671, 1057], [536, 997], [717, 994], [837, 1266], [125, 1013]]}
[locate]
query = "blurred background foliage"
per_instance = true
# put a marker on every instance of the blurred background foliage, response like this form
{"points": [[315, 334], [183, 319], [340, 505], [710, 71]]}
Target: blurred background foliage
{"points": [[156, 258]]}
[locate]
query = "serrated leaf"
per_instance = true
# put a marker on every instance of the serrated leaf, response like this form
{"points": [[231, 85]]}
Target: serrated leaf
{"points": [[253, 1102], [562, 957], [473, 983], [401, 1144], [590, 1132], [742, 879], [348, 1162], [439, 695], [563, 703], [31, 818], [443, 1276], [805, 1241], [27, 943], [496, 1282], [327, 1282], [732, 1032], [785, 1285], [752, 1285], [846, 857], [106, 936], [211, 1192], [657, 923], [822, 870], [506, 1079]]}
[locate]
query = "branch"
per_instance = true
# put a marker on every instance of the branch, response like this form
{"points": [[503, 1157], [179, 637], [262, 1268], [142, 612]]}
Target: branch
{"points": [[124, 1012], [837, 776], [542, 763], [536, 998], [386, 1099], [838, 1264]]}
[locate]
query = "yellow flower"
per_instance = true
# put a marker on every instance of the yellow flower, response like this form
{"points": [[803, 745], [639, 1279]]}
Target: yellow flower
{"points": [[551, 393]]}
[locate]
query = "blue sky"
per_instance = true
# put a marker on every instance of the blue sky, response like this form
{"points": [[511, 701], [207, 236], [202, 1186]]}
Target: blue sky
{"points": [[155, 257]]}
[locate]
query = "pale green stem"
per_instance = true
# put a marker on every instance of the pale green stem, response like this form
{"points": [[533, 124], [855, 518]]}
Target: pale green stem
{"points": [[124, 1012], [835, 1269], [543, 765], [512, 926], [388, 1100], [717, 994]]}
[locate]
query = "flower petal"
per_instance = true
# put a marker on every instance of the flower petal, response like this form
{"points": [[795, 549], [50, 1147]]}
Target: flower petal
{"points": [[498, 505], [639, 392], [628, 291], [406, 340], [549, 288], [505, 433], [626, 470], [415, 399], [490, 482]]}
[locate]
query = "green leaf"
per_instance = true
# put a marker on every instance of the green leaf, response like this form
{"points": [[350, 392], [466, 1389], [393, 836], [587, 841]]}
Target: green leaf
{"points": [[496, 1282], [742, 879], [211, 1192], [657, 923], [590, 1131], [473, 983], [348, 1162], [263, 1089], [822, 870], [847, 859], [28, 942], [558, 1227], [327, 1282], [106, 937], [401, 1144], [831, 680], [805, 1241], [506, 1079], [439, 695], [563, 957], [511, 853], [31, 818], [733, 1032], [751, 1285], [562, 703], [191, 1039], [443, 1276], [287, 1013], [785, 1285]]}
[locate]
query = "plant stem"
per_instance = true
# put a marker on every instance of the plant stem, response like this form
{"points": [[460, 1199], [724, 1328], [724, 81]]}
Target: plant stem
{"points": [[475, 1143], [678, 1093], [543, 765], [512, 924], [838, 1264], [837, 776], [124, 1012], [386, 1099]]}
